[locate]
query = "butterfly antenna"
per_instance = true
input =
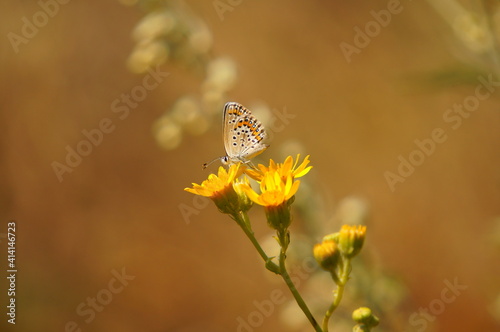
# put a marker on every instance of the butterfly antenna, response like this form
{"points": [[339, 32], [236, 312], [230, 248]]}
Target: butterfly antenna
{"points": [[205, 165]]}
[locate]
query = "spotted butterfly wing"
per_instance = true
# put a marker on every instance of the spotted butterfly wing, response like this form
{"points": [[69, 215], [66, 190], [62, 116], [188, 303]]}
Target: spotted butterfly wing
{"points": [[243, 134]]}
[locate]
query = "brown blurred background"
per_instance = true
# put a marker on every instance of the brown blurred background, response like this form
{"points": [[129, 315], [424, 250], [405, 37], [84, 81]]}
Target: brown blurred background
{"points": [[119, 208]]}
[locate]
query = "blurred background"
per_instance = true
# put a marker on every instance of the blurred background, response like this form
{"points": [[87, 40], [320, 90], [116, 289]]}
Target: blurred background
{"points": [[109, 109]]}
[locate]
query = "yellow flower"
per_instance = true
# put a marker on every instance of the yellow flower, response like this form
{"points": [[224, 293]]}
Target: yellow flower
{"points": [[220, 188], [274, 191], [217, 184], [276, 197], [288, 167]]}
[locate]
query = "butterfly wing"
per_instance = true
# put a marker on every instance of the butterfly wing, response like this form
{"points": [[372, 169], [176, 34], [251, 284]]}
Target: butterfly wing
{"points": [[252, 138], [243, 133], [233, 112]]}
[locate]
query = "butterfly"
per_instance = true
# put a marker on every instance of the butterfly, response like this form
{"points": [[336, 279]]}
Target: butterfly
{"points": [[242, 133]]}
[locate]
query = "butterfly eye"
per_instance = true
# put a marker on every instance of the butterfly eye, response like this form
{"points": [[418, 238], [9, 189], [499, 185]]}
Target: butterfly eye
{"points": [[224, 160]]}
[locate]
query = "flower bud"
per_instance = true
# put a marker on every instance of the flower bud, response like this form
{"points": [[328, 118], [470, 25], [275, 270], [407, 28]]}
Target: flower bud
{"points": [[244, 202], [351, 239], [364, 317], [327, 255]]}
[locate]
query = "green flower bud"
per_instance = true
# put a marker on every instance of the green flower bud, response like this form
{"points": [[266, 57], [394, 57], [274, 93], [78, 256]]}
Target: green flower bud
{"points": [[364, 317]]}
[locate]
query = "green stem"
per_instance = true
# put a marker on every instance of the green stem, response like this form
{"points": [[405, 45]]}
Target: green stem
{"points": [[295, 293], [337, 297], [244, 222]]}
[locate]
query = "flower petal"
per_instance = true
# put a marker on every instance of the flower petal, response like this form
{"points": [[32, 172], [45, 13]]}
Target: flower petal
{"points": [[293, 190]]}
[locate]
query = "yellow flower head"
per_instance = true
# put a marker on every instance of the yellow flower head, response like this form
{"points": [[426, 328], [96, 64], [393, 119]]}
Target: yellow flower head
{"points": [[288, 167], [220, 188], [276, 197], [217, 184], [274, 191]]}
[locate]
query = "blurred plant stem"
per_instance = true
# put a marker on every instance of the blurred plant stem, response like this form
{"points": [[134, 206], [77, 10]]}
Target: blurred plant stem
{"points": [[243, 221], [337, 297], [475, 25], [295, 293]]}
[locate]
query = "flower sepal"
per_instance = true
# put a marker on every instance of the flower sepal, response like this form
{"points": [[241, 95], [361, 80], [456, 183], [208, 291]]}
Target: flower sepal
{"points": [[227, 202], [279, 217]]}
